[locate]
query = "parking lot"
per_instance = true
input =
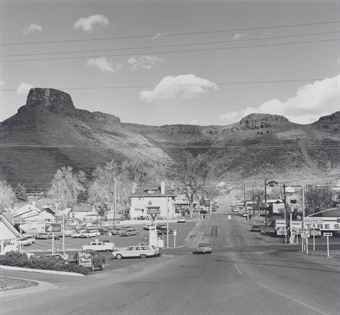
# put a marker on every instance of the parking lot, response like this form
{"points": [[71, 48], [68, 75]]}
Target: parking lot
{"points": [[74, 244]]}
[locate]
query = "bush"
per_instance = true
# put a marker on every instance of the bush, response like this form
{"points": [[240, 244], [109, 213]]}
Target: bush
{"points": [[41, 262]]}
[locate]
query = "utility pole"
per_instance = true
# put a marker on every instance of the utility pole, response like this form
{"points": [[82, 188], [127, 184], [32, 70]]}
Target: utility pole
{"points": [[285, 213], [303, 218], [265, 202]]}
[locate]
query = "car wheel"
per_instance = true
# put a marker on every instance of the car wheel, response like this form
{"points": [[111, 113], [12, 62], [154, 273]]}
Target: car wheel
{"points": [[119, 256], [142, 256]]}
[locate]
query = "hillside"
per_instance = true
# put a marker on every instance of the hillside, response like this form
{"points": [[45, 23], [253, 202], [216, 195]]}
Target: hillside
{"points": [[49, 132]]}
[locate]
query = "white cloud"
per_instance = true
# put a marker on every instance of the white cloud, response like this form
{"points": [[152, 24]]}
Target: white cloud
{"points": [[183, 86], [156, 36], [32, 28], [144, 62], [103, 64], [237, 36], [24, 88], [87, 24], [310, 102]]}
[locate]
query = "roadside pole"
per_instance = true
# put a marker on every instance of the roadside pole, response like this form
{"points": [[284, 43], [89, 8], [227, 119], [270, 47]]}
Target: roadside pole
{"points": [[63, 227], [307, 246], [175, 234], [52, 247], [328, 234], [313, 240], [265, 201], [303, 218], [327, 246]]}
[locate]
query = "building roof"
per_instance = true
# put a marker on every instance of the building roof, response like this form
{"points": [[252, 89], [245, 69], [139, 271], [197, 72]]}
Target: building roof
{"points": [[152, 191], [7, 230]]}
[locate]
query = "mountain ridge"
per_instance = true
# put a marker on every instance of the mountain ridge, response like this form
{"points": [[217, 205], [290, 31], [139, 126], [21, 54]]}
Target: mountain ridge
{"points": [[49, 132]]}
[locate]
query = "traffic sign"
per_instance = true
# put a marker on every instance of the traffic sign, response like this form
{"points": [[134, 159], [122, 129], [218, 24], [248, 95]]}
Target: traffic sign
{"points": [[328, 234], [53, 227]]}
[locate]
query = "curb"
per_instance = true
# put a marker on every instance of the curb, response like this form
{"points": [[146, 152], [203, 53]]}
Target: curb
{"points": [[53, 272]]}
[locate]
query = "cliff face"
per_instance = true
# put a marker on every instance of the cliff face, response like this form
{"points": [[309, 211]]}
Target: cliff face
{"points": [[49, 132]]}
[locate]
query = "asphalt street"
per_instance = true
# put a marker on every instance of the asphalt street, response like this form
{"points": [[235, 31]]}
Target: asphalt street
{"points": [[242, 276]]}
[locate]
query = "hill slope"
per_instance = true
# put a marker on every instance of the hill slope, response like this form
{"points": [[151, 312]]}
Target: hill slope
{"points": [[49, 132]]}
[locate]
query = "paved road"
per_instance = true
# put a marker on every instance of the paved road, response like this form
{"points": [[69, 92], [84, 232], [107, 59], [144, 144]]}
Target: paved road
{"points": [[260, 279]]}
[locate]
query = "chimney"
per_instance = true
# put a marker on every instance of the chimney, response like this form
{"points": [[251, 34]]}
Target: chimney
{"points": [[163, 188]]}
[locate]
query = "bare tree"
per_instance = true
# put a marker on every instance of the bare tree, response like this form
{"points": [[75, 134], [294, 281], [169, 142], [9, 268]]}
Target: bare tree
{"points": [[192, 174], [65, 187], [7, 197], [318, 198]]}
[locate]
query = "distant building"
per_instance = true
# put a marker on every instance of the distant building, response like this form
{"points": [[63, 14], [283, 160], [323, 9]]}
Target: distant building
{"points": [[150, 198], [32, 219], [85, 213], [182, 205]]}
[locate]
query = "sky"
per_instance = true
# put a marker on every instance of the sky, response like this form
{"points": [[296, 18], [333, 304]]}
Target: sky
{"points": [[164, 62]]}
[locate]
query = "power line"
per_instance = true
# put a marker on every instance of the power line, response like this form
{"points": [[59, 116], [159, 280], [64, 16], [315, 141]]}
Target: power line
{"points": [[198, 50], [173, 45], [175, 34]]}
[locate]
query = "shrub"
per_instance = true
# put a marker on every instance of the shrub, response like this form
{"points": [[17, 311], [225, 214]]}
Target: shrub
{"points": [[41, 262]]}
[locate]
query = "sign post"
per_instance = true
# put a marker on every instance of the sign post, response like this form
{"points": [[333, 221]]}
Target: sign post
{"points": [[328, 234], [153, 238], [175, 234], [52, 228]]}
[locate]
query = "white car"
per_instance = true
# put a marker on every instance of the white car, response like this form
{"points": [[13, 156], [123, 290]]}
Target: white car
{"points": [[99, 246], [181, 220], [136, 251]]}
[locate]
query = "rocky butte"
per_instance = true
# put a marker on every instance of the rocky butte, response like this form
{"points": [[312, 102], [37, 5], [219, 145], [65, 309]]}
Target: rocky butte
{"points": [[49, 132]]}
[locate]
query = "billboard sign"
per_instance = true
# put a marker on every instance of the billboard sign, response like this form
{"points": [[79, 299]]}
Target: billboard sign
{"points": [[85, 259], [53, 227]]}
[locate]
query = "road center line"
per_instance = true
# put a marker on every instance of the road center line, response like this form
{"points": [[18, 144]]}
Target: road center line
{"points": [[314, 309], [238, 269]]}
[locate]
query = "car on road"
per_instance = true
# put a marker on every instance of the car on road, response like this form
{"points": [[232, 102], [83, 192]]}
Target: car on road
{"points": [[202, 248], [181, 220], [136, 252], [99, 246], [26, 240], [43, 236]]}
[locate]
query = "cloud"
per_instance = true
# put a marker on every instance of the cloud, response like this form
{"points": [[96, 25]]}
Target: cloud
{"points": [[24, 88], [309, 103], [156, 36], [183, 86], [87, 24], [144, 62], [103, 64], [32, 28], [237, 36]]}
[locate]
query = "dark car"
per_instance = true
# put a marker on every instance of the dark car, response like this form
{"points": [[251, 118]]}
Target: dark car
{"points": [[203, 248]]}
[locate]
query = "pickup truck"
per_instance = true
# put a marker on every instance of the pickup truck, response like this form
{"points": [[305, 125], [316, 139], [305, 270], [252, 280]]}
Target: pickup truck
{"points": [[99, 246]]}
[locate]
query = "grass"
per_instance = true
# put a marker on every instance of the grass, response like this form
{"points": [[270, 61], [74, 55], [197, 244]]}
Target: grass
{"points": [[7, 284]]}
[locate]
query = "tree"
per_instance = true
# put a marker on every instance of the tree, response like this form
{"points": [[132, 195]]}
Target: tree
{"points": [[318, 198], [65, 187], [192, 173], [7, 196], [20, 192]]}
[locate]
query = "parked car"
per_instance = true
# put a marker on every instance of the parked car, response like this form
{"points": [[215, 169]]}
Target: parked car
{"points": [[255, 228], [136, 252], [76, 235], [203, 248], [125, 233], [147, 227], [43, 236], [26, 240], [99, 246], [181, 220], [115, 231]]}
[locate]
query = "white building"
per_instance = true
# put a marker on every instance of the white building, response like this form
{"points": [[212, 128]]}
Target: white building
{"points": [[152, 199]]}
